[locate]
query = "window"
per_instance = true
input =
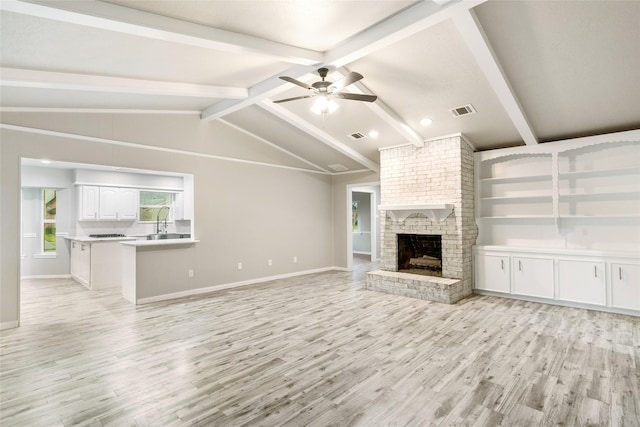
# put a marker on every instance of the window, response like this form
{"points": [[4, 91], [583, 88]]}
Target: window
{"points": [[49, 221], [154, 205]]}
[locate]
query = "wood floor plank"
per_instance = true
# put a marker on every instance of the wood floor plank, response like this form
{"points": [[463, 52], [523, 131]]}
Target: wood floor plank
{"points": [[315, 350]]}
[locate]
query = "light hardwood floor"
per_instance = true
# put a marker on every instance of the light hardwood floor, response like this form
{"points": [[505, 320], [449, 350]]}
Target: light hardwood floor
{"points": [[316, 350]]}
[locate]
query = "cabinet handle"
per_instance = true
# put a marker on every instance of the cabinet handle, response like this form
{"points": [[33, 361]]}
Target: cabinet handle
{"points": [[595, 271], [620, 272], [519, 265], [502, 264]]}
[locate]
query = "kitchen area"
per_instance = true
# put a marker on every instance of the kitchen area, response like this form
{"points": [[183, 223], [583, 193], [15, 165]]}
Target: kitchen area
{"points": [[105, 227]]}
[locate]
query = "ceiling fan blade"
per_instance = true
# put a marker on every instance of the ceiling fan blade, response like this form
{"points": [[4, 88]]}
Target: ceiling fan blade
{"points": [[296, 82], [293, 99], [346, 81], [355, 96]]}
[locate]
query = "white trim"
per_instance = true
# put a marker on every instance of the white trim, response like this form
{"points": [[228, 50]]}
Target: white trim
{"points": [[361, 253], [562, 303], [138, 23], [478, 43], [9, 325], [140, 187], [305, 126], [94, 110], [209, 289], [47, 276], [147, 147], [352, 172], [271, 144], [386, 113], [29, 235], [45, 256], [16, 77]]}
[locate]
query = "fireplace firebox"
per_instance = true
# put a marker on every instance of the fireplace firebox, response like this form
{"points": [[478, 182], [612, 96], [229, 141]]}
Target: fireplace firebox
{"points": [[420, 254]]}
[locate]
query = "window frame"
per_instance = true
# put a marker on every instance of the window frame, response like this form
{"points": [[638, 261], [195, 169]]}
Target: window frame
{"points": [[44, 222], [171, 206]]}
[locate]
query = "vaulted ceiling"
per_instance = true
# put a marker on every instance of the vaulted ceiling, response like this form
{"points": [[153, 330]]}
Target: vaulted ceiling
{"points": [[534, 71]]}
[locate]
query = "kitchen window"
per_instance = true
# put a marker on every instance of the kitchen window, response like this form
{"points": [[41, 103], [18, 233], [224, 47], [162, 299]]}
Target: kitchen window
{"points": [[155, 205], [49, 203]]}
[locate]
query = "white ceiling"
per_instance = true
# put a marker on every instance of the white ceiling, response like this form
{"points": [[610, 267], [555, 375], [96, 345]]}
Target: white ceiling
{"points": [[535, 71]]}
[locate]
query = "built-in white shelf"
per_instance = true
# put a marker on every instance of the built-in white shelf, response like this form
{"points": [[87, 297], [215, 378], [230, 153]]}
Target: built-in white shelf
{"points": [[600, 194], [434, 211], [523, 178], [529, 198], [600, 172]]}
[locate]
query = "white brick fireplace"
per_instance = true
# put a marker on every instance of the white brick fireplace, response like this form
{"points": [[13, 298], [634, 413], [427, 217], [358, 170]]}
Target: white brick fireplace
{"points": [[428, 191]]}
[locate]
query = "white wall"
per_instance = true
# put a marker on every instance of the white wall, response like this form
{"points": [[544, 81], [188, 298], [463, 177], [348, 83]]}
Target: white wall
{"points": [[243, 212]]}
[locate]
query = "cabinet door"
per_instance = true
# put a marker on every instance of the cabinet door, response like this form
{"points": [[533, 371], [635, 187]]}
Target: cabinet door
{"points": [[108, 203], [74, 259], [89, 201], [625, 286], [581, 281], [128, 204], [492, 273], [533, 277]]}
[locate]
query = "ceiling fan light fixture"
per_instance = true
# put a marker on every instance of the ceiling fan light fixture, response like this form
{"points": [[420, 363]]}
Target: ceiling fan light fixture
{"points": [[324, 105]]}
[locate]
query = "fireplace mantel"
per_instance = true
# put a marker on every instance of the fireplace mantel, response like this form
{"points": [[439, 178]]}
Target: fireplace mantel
{"points": [[434, 211]]}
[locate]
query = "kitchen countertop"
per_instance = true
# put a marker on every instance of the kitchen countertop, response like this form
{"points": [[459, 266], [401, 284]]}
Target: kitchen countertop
{"points": [[161, 242], [87, 239]]}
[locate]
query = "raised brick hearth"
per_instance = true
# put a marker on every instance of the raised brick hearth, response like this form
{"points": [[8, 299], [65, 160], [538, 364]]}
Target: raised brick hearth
{"points": [[441, 172]]}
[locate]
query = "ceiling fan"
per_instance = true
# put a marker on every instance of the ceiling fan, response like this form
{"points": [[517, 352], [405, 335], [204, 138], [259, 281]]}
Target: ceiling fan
{"points": [[326, 89]]}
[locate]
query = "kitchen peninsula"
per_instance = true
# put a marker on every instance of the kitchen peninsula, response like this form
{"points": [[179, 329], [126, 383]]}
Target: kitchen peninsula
{"points": [[154, 270]]}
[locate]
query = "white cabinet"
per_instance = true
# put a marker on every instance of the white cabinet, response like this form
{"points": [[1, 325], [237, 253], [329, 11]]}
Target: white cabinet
{"points": [[589, 279], [128, 206], [97, 265], [118, 204], [582, 281], [492, 273], [533, 277], [88, 202], [81, 262], [625, 286]]}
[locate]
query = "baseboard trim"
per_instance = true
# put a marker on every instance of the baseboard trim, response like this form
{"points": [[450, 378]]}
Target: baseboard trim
{"points": [[208, 289], [562, 303], [47, 276], [9, 325]]}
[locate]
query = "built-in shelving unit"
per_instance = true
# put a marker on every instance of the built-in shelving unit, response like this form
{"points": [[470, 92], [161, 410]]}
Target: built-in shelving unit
{"points": [[560, 222]]}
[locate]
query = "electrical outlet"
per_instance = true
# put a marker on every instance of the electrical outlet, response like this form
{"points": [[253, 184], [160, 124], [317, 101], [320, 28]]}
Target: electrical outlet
{"points": [[295, 259], [190, 273], [239, 266], [270, 262]]}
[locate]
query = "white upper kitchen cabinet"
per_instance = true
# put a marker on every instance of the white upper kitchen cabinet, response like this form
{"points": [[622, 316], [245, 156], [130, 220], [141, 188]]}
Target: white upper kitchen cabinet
{"points": [[89, 202], [118, 204]]}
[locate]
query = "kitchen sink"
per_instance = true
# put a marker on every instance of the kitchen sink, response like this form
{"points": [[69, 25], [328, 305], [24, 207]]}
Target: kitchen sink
{"points": [[164, 236]]}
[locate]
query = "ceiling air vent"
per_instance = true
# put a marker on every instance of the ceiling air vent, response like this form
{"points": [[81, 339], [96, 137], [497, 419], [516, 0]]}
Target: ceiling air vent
{"points": [[337, 167], [357, 135], [462, 110]]}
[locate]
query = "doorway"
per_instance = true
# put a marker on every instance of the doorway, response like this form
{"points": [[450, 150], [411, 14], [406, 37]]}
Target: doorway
{"points": [[363, 234]]}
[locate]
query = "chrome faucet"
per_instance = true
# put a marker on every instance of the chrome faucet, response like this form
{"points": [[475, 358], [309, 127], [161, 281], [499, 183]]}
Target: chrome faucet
{"points": [[158, 221]]}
